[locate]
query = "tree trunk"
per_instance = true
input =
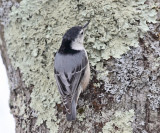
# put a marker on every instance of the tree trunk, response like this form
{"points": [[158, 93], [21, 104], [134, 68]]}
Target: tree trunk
{"points": [[126, 99]]}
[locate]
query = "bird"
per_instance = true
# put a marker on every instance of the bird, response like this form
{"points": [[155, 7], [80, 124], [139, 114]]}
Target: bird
{"points": [[71, 69]]}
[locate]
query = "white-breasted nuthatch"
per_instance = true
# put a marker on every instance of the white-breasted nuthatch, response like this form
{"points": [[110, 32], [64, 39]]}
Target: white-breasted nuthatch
{"points": [[71, 68]]}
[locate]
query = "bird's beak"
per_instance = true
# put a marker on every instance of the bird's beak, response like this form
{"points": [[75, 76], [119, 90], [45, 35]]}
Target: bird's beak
{"points": [[84, 27]]}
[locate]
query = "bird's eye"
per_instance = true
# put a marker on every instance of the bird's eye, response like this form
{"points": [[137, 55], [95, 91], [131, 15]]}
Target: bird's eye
{"points": [[81, 33]]}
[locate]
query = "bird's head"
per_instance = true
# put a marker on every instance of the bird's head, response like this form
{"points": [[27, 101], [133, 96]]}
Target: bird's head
{"points": [[74, 37]]}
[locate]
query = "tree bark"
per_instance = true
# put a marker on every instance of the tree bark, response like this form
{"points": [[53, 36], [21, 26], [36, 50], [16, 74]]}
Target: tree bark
{"points": [[17, 91], [138, 70]]}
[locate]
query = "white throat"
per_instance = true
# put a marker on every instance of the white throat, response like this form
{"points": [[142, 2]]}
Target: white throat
{"points": [[77, 45]]}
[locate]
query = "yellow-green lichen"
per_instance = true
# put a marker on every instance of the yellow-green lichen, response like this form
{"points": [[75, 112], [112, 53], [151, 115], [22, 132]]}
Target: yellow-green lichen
{"points": [[36, 28], [115, 25], [120, 122]]}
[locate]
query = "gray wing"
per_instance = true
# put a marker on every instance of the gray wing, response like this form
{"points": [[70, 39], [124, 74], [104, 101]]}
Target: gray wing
{"points": [[69, 71]]}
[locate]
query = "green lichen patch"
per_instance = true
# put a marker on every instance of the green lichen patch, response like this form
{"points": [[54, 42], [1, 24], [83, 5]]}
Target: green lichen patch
{"points": [[35, 33], [115, 25], [120, 122]]}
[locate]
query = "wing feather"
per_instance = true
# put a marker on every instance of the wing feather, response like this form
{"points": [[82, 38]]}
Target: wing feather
{"points": [[69, 75]]}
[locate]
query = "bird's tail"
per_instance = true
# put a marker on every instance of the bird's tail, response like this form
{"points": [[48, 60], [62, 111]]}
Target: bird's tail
{"points": [[72, 115]]}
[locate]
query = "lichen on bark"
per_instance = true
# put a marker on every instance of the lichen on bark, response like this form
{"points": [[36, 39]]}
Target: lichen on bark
{"points": [[34, 34]]}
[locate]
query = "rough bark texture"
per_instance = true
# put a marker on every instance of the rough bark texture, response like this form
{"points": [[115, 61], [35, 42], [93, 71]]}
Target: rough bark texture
{"points": [[18, 90], [132, 82]]}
